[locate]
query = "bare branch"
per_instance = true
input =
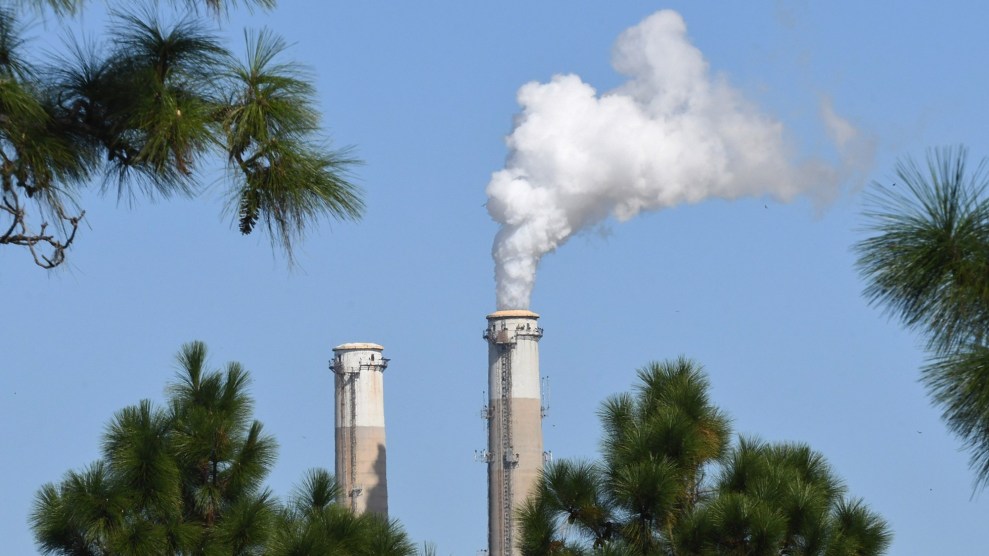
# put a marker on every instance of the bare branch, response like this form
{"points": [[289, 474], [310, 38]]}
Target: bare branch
{"points": [[20, 234]]}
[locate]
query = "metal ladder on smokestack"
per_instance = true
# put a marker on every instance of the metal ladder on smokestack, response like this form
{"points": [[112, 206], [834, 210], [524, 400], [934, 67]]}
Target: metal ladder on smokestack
{"points": [[508, 459], [352, 431], [349, 387]]}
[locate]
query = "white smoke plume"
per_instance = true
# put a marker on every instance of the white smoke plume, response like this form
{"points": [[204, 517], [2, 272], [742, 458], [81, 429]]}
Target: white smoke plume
{"points": [[671, 134]]}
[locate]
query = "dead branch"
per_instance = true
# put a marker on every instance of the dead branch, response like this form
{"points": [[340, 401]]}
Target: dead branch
{"points": [[47, 250]]}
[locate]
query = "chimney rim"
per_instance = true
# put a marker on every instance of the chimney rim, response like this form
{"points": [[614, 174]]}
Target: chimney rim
{"points": [[513, 314], [355, 346]]}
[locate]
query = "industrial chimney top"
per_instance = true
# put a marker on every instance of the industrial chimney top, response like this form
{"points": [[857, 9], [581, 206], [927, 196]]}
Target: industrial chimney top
{"points": [[358, 345], [513, 314]]}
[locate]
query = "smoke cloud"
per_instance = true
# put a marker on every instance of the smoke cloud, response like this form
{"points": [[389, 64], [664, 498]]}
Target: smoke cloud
{"points": [[671, 134]]}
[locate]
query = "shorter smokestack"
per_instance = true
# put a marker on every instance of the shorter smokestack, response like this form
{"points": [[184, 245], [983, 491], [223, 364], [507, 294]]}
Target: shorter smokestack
{"points": [[360, 426]]}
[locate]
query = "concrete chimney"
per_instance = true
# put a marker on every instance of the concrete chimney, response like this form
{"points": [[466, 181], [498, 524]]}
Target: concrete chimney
{"points": [[360, 426], [515, 436]]}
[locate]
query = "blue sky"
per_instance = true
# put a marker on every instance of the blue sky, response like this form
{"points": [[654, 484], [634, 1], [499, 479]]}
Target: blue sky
{"points": [[764, 294]]}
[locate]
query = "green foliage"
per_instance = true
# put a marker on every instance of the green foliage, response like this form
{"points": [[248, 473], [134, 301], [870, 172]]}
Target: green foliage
{"points": [[927, 263], [312, 523], [216, 7], [187, 479], [146, 109], [670, 482], [283, 176]]}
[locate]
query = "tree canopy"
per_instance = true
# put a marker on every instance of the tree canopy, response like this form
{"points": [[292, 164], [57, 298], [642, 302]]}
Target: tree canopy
{"points": [[187, 478], [144, 110], [927, 263], [670, 481]]}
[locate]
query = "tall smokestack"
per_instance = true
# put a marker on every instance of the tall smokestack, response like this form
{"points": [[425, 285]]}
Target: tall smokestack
{"points": [[515, 437], [360, 426]]}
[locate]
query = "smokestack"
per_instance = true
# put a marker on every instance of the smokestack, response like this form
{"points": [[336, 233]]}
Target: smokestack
{"points": [[360, 426], [515, 437]]}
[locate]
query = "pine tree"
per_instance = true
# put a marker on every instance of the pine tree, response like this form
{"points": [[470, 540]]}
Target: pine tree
{"points": [[927, 263], [671, 482], [187, 478]]}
